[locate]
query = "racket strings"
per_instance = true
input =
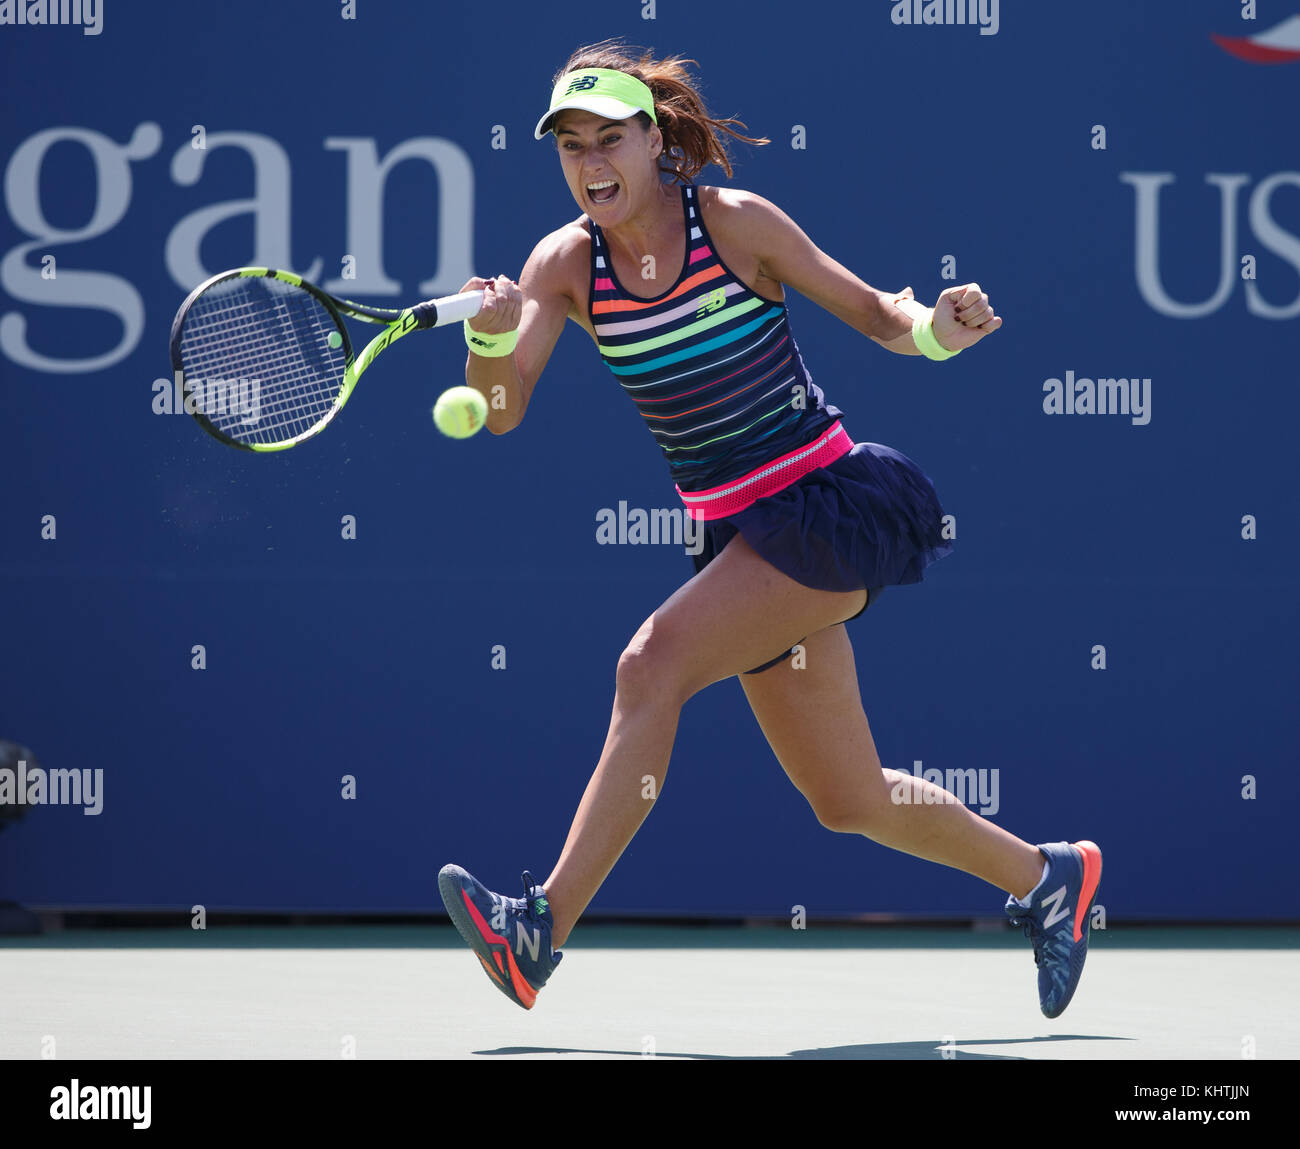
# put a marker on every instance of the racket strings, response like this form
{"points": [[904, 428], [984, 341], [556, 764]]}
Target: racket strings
{"points": [[270, 393], [254, 338], [257, 352]]}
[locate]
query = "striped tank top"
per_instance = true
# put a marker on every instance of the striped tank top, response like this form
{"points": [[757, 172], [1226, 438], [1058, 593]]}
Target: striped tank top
{"points": [[714, 370]]}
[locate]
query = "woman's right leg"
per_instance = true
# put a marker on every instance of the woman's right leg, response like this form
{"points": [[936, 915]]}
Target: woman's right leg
{"points": [[736, 614]]}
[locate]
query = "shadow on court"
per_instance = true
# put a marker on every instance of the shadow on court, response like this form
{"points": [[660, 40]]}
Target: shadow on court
{"points": [[877, 1051]]}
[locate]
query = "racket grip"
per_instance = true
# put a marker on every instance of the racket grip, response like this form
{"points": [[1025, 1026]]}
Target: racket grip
{"points": [[448, 309]]}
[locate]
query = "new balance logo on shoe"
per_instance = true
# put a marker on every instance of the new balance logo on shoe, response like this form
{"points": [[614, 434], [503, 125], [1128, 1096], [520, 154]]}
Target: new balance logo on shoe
{"points": [[522, 940], [1059, 911]]}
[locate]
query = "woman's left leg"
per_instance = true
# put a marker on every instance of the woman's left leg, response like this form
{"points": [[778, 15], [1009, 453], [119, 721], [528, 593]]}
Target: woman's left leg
{"points": [[813, 719]]}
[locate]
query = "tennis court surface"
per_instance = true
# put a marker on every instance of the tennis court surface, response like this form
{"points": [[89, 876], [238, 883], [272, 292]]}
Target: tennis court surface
{"points": [[680, 992]]}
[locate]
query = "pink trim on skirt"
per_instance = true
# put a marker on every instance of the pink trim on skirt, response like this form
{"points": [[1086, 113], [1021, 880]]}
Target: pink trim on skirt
{"points": [[735, 496]]}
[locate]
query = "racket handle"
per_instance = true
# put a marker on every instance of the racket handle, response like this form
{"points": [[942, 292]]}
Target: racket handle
{"points": [[448, 309]]}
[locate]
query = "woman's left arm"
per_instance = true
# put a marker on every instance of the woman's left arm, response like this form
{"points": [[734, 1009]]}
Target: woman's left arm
{"points": [[785, 254]]}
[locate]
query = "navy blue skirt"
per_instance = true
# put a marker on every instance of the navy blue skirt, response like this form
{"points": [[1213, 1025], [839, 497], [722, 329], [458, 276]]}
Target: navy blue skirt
{"points": [[870, 520]]}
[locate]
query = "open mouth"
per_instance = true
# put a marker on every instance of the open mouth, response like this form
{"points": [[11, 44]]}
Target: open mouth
{"points": [[602, 191]]}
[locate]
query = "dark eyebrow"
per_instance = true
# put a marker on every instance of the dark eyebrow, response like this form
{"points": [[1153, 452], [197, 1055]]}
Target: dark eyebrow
{"points": [[607, 124]]}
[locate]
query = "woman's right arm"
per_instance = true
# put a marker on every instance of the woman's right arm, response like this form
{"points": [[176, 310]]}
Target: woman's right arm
{"points": [[537, 307]]}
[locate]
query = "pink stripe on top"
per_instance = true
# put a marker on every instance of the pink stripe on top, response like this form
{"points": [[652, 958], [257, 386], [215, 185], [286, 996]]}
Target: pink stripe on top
{"points": [[733, 497]]}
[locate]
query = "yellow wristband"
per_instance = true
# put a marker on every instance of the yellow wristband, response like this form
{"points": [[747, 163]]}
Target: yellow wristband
{"points": [[491, 346], [924, 338]]}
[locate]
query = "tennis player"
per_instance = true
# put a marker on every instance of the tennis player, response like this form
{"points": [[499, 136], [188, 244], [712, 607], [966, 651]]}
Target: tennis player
{"points": [[682, 289]]}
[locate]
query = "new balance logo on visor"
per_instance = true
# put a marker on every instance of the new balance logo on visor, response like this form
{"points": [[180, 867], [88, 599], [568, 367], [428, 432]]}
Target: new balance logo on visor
{"points": [[711, 302], [1059, 912], [582, 84]]}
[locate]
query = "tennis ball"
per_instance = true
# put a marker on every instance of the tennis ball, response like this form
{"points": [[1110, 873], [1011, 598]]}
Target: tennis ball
{"points": [[334, 339], [460, 412]]}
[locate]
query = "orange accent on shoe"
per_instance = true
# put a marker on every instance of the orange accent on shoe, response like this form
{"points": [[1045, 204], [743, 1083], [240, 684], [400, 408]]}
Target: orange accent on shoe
{"points": [[1091, 878], [491, 972], [479, 922], [527, 995]]}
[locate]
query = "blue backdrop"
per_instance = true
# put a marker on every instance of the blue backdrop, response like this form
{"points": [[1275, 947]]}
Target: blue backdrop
{"points": [[1114, 634]]}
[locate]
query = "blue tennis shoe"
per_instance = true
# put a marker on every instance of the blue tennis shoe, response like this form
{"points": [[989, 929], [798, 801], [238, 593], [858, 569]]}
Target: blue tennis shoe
{"points": [[1057, 920], [510, 936]]}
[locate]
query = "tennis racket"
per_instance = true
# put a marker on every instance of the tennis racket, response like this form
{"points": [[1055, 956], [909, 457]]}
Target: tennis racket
{"points": [[266, 361]]}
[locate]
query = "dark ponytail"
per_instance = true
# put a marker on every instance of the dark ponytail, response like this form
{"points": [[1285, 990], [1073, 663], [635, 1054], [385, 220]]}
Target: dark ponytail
{"points": [[692, 138]]}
